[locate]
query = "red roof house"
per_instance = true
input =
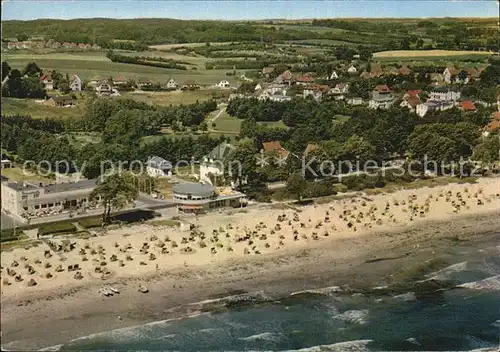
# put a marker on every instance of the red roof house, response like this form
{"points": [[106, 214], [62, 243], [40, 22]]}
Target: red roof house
{"points": [[467, 105], [275, 146], [382, 88]]}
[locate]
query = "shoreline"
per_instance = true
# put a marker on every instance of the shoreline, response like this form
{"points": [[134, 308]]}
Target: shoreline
{"points": [[45, 323], [390, 238]]}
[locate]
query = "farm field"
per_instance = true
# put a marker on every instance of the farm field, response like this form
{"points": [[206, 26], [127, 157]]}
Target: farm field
{"points": [[173, 46], [99, 65], [177, 97], [12, 106], [428, 53]]}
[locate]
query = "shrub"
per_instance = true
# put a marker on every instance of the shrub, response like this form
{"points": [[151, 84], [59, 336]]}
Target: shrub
{"points": [[91, 222], [56, 228], [340, 188], [8, 235]]}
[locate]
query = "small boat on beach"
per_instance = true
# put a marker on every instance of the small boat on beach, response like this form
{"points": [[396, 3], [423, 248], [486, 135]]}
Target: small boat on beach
{"points": [[143, 289]]}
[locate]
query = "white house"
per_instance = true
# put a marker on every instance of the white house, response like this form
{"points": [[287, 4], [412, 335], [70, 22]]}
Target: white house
{"points": [[213, 162], [47, 82], [104, 88], [158, 167], [341, 88], [423, 109], [316, 91], [172, 84], [445, 94], [258, 87], [449, 74], [355, 101], [382, 97], [75, 84], [223, 84], [352, 69]]}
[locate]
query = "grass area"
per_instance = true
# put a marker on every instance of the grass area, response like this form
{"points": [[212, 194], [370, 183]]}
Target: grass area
{"points": [[11, 106], [321, 42], [16, 174], [226, 123], [89, 66], [428, 53], [59, 228], [178, 97], [279, 124], [164, 187], [166, 222], [89, 223]]}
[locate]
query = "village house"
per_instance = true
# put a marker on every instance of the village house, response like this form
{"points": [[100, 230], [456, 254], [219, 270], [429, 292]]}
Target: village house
{"points": [[94, 81], [258, 86], [223, 84], [285, 78], [382, 97], [434, 105], [352, 69], [119, 81], [355, 101], [411, 100], [144, 83], [158, 167], [212, 164], [316, 91], [5, 163], [304, 80], [103, 88], [275, 147], [47, 82], [75, 84], [493, 125], [340, 90], [444, 93], [467, 106], [450, 74], [190, 85], [60, 101], [404, 71], [172, 84]]}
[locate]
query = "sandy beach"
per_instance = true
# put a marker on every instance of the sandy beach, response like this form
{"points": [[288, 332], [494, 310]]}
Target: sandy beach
{"points": [[263, 249]]}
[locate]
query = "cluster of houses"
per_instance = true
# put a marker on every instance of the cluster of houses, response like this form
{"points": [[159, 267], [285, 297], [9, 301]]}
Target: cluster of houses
{"points": [[444, 95], [41, 44]]}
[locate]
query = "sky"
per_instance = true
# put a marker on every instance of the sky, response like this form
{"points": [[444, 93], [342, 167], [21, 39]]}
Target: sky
{"points": [[241, 9]]}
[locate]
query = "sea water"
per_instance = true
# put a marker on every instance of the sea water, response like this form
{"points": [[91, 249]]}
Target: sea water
{"points": [[465, 317]]}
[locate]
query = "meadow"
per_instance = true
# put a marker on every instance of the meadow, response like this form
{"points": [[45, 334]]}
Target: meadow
{"points": [[96, 64], [12, 106]]}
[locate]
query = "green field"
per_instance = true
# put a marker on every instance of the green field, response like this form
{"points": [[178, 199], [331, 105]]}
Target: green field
{"points": [[90, 65], [16, 174], [178, 97], [12, 106], [226, 123]]}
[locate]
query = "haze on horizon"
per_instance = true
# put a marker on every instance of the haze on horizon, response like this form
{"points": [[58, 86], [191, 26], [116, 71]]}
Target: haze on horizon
{"points": [[245, 10]]}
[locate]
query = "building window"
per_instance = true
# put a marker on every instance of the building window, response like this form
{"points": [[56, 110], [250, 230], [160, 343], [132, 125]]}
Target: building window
{"points": [[37, 195], [37, 207], [44, 206], [51, 205], [25, 197]]}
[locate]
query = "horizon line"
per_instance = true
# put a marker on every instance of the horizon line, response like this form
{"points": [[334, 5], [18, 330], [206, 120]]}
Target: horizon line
{"points": [[249, 19]]}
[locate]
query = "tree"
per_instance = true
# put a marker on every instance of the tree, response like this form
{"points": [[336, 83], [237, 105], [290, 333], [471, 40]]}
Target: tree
{"points": [[5, 69], [296, 185], [22, 37], [32, 70], [488, 151], [64, 87], [115, 191]]}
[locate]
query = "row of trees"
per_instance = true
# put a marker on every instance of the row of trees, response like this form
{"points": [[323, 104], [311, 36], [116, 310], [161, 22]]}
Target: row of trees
{"points": [[145, 61]]}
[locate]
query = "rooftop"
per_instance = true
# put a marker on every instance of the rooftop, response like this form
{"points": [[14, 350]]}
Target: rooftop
{"points": [[193, 188], [70, 186], [159, 163]]}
